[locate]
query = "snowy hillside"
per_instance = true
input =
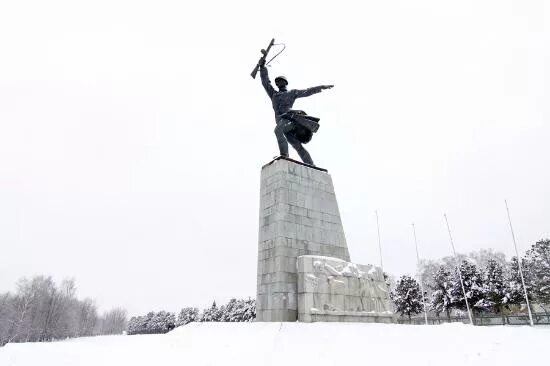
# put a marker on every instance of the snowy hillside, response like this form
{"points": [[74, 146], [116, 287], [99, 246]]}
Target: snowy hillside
{"points": [[286, 344]]}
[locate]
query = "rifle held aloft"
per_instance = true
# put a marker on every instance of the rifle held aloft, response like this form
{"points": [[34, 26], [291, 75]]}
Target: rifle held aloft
{"points": [[264, 55]]}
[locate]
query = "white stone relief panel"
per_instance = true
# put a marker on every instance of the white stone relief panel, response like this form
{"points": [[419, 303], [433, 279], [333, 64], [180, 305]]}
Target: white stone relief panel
{"points": [[333, 286]]}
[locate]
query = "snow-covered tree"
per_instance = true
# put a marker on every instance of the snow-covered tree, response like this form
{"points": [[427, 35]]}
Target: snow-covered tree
{"points": [[473, 287], [494, 287], [212, 314], [133, 325], [248, 311], [441, 287], [389, 279], [407, 296], [161, 322], [41, 310], [515, 294], [449, 262], [427, 269], [152, 323], [538, 263], [113, 321], [138, 324], [230, 311], [187, 315], [239, 311], [482, 257]]}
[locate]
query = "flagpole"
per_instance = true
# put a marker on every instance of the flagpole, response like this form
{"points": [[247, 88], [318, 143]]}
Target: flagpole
{"points": [[458, 270], [420, 276], [519, 264]]}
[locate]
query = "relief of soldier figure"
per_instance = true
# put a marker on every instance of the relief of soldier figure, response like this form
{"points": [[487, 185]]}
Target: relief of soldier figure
{"points": [[293, 127]]}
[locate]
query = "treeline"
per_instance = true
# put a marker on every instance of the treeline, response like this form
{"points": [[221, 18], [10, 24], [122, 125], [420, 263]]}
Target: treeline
{"points": [[154, 323], [492, 284], [40, 311]]}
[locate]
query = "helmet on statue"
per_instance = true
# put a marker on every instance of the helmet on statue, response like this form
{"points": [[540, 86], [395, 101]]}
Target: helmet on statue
{"points": [[281, 78]]}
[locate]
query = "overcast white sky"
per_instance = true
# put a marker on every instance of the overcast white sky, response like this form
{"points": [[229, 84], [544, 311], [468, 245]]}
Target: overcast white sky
{"points": [[132, 136]]}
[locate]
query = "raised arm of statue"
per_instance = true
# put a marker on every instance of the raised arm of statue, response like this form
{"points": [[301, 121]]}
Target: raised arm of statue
{"points": [[265, 81], [310, 91]]}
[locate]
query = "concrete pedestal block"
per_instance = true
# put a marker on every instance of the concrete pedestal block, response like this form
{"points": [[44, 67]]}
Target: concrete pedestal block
{"points": [[299, 216]]}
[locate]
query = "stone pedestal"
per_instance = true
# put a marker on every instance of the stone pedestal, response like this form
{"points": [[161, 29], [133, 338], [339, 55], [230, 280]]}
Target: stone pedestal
{"points": [[298, 216]]}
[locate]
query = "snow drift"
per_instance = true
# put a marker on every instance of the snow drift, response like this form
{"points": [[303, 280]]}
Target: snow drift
{"points": [[295, 344]]}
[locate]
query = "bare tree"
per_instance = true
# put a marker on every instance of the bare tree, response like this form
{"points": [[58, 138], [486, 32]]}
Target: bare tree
{"points": [[7, 313], [114, 321], [41, 311], [22, 304], [87, 317]]}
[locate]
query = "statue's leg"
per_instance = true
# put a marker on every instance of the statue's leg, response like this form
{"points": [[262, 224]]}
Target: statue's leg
{"points": [[281, 140], [297, 145]]}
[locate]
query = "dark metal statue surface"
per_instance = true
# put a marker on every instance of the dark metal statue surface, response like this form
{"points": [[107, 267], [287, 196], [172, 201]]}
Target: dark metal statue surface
{"points": [[294, 127]]}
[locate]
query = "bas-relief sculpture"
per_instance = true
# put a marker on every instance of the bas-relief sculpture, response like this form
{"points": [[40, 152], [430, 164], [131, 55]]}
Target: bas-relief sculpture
{"points": [[333, 289]]}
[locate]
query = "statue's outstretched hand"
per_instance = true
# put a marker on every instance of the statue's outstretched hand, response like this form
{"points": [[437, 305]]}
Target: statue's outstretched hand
{"points": [[328, 86]]}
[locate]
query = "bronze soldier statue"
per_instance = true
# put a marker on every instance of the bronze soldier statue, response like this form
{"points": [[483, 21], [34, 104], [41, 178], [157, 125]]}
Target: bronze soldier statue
{"points": [[293, 126]]}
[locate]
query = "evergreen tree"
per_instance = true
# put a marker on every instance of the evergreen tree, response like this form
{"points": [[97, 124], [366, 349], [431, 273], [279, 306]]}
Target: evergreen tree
{"points": [[494, 288], [187, 315], [212, 314], [132, 324], [473, 287], [249, 311], [515, 294], [239, 311], [441, 292], [152, 323], [407, 297], [161, 322], [482, 257], [538, 264], [146, 322], [137, 325], [427, 269], [231, 311]]}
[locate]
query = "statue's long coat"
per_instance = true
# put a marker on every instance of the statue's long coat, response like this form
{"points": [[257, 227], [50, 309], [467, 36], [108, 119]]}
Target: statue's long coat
{"points": [[295, 122]]}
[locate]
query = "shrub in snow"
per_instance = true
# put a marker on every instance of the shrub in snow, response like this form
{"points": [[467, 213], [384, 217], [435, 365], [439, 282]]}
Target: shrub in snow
{"points": [[407, 296]]}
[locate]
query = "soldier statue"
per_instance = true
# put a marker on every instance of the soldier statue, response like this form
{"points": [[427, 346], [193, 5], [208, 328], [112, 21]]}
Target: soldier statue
{"points": [[293, 126]]}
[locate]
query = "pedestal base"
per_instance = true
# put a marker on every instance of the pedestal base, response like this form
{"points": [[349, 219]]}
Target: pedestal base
{"points": [[298, 216]]}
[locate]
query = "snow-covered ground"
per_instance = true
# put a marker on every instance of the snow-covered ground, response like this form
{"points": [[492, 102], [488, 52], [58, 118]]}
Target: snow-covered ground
{"points": [[287, 344]]}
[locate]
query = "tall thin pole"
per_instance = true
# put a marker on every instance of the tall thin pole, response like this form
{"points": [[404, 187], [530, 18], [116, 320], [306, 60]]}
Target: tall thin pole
{"points": [[519, 264], [420, 276], [379, 244], [458, 270]]}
